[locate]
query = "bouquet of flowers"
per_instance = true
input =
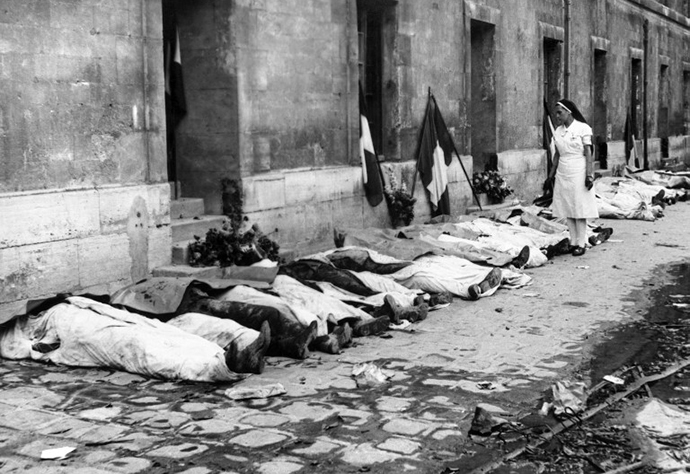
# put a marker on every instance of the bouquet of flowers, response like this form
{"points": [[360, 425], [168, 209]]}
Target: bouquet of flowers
{"points": [[491, 183], [400, 201]]}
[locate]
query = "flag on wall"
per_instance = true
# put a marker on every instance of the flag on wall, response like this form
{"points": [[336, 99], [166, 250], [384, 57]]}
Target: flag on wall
{"points": [[435, 155], [549, 144], [371, 172]]}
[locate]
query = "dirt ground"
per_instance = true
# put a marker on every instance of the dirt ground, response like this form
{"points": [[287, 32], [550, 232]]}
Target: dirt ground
{"points": [[580, 319]]}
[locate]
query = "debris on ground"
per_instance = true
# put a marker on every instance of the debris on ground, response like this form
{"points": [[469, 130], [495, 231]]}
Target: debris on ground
{"points": [[369, 375], [264, 391]]}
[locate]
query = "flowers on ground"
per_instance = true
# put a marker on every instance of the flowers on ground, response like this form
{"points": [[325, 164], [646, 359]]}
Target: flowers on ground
{"points": [[400, 201], [491, 183]]}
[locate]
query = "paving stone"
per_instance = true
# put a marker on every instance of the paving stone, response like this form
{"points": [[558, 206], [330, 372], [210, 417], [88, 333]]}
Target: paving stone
{"points": [[100, 414], [165, 387], [136, 442], [404, 426], [5, 408], [443, 434], [319, 447], [196, 470], [61, 377], [277, 467], [12, 464], [102, 433], [352, 396], [97, 457], [145, 400], [440, 400], [344, 384], [28, 420], [361, 417], [35, 448], [178, 451], [192, 407], [27, 397], [393, 404], [124, 378], [440, 382], [167, 420], [399, 445], [156, 419], [239, 459], [265, 419], [67, 427], [308, 411], [365, 454], [234, 414], [258, 438], [207, 427]]}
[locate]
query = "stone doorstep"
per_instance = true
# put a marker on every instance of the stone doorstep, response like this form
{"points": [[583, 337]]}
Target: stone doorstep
{"points": [[180, 252], [183, 208], [492, 207], [187, 228]]}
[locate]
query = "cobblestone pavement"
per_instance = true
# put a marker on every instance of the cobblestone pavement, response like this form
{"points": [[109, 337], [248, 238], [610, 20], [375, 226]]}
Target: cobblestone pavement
{"points": [[502, 350]]}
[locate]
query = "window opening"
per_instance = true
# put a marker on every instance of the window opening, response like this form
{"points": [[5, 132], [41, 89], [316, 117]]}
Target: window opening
{"points": [[599, 116], [483, 94]]}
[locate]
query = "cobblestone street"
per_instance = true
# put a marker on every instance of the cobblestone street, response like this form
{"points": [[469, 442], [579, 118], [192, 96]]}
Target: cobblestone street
{"points": [[503, 350]]}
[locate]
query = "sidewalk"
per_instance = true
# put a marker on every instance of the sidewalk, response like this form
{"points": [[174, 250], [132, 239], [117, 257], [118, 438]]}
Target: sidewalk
{"points": [[503, 350]]}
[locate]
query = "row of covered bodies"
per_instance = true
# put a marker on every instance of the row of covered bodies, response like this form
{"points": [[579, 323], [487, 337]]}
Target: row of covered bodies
{"points": [[219, 330]]}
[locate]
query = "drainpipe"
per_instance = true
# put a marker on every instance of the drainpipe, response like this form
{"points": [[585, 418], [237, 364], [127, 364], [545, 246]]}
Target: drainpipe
{"points": [[145, 84], [566, 47], [644, 92], [348, 88]]}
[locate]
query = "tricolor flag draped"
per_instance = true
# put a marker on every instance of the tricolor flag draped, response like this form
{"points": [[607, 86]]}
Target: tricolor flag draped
{"points": [[371, 173], [435, 155]]}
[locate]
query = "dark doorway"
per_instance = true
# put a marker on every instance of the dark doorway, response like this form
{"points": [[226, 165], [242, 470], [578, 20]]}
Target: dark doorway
{"points": [[686, 101], [636, 96], [552, 72], [175, 101], [599, 118], [483, 94], [664, 100]]}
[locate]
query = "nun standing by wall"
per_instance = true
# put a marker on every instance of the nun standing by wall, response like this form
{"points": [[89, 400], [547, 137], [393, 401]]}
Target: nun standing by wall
{"points": [[573, 193]]}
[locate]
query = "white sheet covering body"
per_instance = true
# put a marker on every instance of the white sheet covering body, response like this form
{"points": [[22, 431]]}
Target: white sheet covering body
{"points": [[325, 306], [92, 334], [439, 273], [297, 313]]}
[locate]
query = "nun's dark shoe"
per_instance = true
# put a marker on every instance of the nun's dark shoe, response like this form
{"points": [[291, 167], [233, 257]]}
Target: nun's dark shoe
{"points": [[577, 251]]}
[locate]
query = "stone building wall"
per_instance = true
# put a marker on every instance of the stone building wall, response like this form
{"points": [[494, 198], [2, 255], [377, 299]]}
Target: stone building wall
{"points": [[84, 199]]}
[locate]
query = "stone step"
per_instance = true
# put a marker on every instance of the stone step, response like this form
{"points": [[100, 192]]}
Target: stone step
{"points": [[180, 252], [187, 271], [187, 228], [186, 207], [492, 207]]}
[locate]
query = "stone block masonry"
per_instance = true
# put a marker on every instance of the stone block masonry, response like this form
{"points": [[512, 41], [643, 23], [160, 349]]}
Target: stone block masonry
{"points": [[94, 240]]}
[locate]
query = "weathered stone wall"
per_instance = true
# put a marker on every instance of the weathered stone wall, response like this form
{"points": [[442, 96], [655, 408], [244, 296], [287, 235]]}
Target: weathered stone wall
{"points": [[84, 199], [431, 49]]}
